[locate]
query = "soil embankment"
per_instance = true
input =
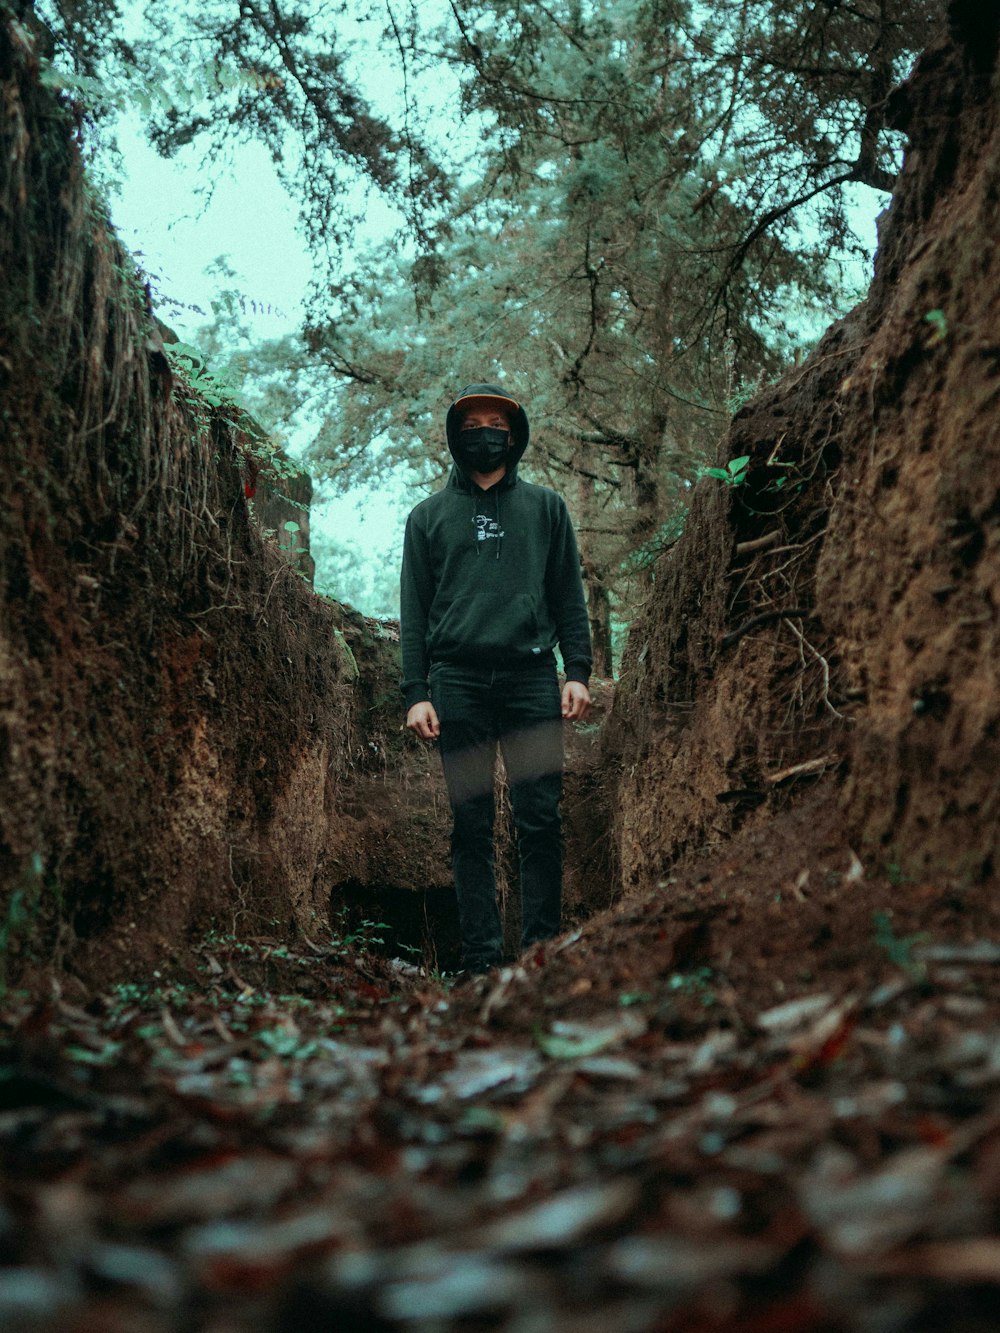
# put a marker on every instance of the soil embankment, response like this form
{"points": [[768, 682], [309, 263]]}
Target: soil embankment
{"points": [[832, 620], [184, 725]]}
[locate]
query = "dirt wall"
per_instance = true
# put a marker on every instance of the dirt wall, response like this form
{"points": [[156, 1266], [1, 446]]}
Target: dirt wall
{"points": [[184, 726], [831, 621]]}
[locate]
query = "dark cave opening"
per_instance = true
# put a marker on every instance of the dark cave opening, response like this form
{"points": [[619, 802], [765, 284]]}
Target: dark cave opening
{"points": [[420, 926]]}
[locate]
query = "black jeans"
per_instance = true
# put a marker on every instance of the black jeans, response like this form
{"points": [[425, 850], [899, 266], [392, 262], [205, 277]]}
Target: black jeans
{"points": [[479, 707]]}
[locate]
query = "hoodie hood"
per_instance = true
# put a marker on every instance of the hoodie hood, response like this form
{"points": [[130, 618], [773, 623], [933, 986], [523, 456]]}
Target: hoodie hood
{"points": [[474, 395]]}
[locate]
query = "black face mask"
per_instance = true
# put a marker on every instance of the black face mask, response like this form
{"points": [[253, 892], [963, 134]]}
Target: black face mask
{"points": [[483, 449]]}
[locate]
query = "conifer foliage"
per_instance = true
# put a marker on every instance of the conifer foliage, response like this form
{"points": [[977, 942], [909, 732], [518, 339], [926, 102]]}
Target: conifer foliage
{"points": [[636, 213], [655, 207]]}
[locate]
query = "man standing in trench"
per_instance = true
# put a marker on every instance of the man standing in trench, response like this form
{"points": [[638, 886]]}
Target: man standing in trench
{"points": [[490, 584]]}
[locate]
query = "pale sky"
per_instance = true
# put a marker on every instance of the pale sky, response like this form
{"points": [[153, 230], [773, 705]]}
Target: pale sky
{"points": [[250, 219], [253, 222]]}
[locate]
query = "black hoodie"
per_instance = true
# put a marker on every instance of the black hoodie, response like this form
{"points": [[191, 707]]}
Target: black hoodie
{"points": [[490, 578]]}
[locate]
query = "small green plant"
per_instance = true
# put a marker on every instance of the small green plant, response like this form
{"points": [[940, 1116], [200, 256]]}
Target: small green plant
{"points": [[219, 391], [362, 936], [695, 984], [733, 474], [287, 1044], [939, 327], [189, 364], [899, 949], [779, 483], [126, 995], [223, 941], [291, 526]]}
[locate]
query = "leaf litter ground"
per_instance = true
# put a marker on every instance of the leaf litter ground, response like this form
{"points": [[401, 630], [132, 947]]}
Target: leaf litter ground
{"points": [[764, 1096]]}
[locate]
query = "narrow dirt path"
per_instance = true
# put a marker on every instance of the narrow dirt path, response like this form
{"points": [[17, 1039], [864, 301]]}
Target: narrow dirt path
{"points": [[765, 1096]]}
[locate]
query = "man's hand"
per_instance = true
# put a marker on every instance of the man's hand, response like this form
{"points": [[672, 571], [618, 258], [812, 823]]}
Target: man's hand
{"points": [[423, 720], [575, 701]]}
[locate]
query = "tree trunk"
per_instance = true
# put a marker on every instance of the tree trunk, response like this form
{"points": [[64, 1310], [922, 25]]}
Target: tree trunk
{"points": [[599, 613]]}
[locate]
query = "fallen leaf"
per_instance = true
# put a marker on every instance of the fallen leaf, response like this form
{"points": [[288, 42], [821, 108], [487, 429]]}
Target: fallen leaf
{"points": [[572, 1041]]}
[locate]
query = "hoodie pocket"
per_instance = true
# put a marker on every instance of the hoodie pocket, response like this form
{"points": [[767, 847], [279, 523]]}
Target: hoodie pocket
{"points": [[491, 621]]}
